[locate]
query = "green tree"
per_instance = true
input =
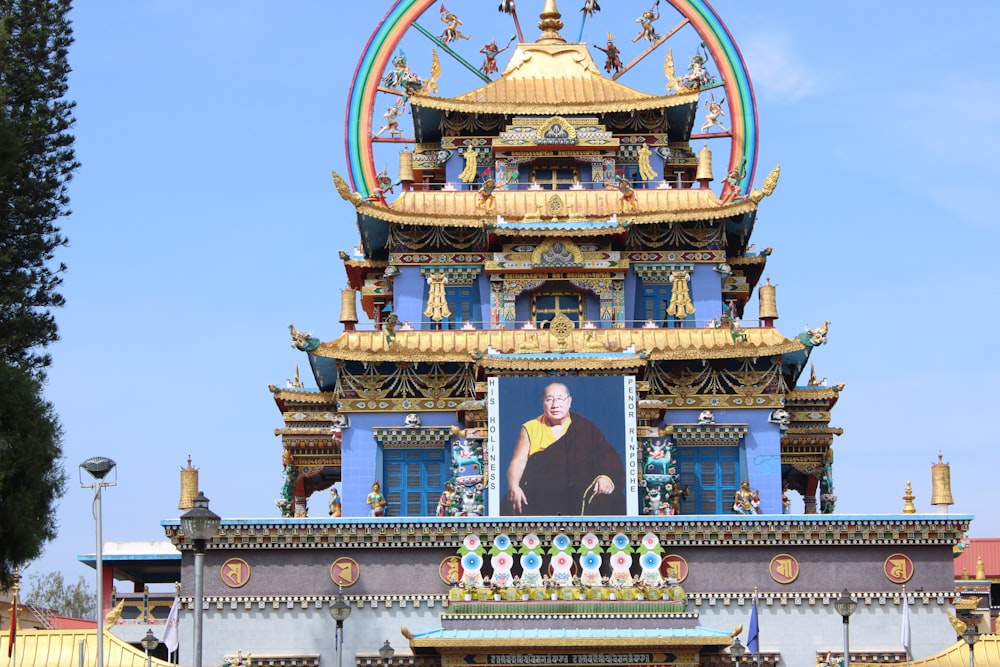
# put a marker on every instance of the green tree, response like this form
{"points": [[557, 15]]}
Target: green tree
{"points": [[36, 164], [31, 478], [37, 161], [51, 593]]}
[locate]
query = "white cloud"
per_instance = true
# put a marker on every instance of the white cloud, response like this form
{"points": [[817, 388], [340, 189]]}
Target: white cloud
{"points": [[776, 67]]}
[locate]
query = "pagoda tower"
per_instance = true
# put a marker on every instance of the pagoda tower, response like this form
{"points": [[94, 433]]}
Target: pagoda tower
{"points": [[552, 432], [573, 234]]}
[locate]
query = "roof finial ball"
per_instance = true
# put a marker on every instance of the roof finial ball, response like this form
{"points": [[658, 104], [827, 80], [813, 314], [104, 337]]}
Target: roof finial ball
{"points": [[551, 23]]}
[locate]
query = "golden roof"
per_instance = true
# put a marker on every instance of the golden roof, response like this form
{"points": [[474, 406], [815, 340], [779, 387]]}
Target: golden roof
{"points": [[60, 648], [986, 650], [461, 209], [463, 346], [549, 78]]}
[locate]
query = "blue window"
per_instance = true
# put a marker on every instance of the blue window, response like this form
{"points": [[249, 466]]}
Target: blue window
{"points": [[414, 479], [463, 301], [711, 475], [652, 305]]}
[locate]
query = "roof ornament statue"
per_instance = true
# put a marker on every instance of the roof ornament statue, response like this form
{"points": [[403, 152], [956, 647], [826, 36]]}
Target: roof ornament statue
{"points": [[507, 7], [613, 61], [816, 336], [487, 201], [647, 31], [408, 81], [490, 50], [391, 123], [303, 341], [715, 111], [694, 79], [589, 7], [627, 200], [451, 24]]}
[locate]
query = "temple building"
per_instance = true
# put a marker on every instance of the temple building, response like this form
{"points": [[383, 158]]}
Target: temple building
{"points": [[550, 431]]}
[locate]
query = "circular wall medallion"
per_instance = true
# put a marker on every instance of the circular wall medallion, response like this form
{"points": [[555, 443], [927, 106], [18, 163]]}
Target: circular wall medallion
{"points": [[898, 568], [235, 573], [345, 571], [674, 566], [450, 570], [783, 568]]}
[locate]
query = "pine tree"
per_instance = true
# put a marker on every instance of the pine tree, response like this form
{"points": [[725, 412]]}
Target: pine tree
{"points": [[36, 163], [31, 478]]}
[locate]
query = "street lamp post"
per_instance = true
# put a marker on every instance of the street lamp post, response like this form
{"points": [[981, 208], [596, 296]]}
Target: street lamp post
{"points": [[845, 606], [386, 652], [971, 636], [340, 610], [737, 650], [149, 643], [200, 525], [98, 468]]}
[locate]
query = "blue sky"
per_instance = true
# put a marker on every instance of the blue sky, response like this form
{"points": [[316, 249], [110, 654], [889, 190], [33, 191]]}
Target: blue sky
{"points": [[205, 222]]}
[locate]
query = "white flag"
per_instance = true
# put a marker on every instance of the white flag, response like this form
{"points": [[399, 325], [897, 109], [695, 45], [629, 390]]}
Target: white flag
{"points": [[905, 635], [170, 632]]}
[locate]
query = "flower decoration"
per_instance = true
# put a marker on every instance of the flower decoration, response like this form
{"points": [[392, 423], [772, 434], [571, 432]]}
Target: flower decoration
{"points": [[501, 543], [562, 562], [621, 561], [502, 561], [472, 561], [560, 542], [590, 561], [650, 542], [530, 543], [472, 544], [650, 560], [531, 561], [590, 543], [621, 543]]}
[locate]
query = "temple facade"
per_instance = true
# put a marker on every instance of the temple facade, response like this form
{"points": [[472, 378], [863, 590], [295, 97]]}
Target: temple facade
{"points": [[550, 432]]}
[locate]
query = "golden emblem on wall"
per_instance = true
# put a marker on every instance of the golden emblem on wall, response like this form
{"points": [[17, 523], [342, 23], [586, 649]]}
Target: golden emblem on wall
{"points": [[345, 571], [674, 566], [235, 573], [898, 568], [450, 570], [783, 568]]}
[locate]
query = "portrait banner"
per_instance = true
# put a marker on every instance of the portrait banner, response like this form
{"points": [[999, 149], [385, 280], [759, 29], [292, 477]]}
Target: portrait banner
{"points": [[562, 446]]}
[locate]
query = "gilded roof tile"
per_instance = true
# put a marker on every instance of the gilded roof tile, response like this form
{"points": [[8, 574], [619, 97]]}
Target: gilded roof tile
{"points": [[553, 78], [61, 648], [461, 209], [462, 346]]}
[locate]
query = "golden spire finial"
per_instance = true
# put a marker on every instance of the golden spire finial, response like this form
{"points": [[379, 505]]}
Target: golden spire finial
{"points": [[980, 569], [909, 507], [551, 23]]}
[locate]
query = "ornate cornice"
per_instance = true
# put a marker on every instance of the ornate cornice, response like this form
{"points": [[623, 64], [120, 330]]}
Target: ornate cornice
{"points": [[714, 435], [412, 437], [708, 531]]}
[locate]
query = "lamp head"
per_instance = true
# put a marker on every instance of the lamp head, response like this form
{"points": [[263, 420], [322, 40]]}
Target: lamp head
{"points": [[971, 635], [339, 609], [97, 467], [737, 649], [149, 642], [845, 604], [386, 651], [199, 522]]}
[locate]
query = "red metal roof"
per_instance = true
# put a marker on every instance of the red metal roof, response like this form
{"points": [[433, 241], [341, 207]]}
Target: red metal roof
{"points": [[986, 548]]}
